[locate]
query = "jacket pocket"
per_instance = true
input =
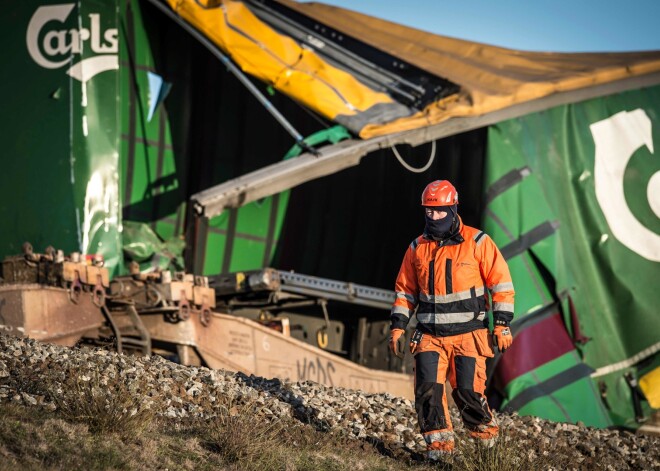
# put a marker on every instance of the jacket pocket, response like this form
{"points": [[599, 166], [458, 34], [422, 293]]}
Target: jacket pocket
{"points": [[483, 342]]}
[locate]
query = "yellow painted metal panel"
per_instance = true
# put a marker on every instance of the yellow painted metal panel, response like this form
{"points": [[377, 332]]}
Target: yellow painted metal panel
{"points": [[650, 385]]}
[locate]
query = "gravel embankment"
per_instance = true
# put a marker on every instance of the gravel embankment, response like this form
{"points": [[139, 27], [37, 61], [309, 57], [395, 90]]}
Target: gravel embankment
{"points": [[181, 392]]}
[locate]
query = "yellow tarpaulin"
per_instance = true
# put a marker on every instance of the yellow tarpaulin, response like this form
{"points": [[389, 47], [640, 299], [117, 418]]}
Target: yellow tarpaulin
{"points": [[281, 62], [490, 78]]}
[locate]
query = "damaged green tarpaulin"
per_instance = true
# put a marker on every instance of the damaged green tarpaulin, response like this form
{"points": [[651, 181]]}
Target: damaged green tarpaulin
{"points": [[574, 202], [142, 245]]}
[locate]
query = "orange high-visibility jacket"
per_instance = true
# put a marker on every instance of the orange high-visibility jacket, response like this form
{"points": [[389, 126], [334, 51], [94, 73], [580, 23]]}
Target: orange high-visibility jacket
{"points": [[448, 283]]}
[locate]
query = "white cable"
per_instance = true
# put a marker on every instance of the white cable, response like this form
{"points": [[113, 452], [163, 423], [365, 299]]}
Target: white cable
{"points": [[413, 169]]}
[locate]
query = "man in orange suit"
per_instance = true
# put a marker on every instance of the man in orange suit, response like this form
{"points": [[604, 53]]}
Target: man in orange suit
{"points": [[447, 275]]}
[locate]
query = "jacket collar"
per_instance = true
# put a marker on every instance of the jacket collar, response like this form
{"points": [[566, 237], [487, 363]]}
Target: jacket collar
{"points": [[454, 237]]}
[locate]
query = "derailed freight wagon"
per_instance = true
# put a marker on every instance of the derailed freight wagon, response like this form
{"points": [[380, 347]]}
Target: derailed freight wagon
{"points": [[176, 120]]}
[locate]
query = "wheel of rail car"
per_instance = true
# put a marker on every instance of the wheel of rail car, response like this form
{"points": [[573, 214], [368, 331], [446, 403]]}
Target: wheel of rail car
{"points": [[322, 338], [205, 316]]}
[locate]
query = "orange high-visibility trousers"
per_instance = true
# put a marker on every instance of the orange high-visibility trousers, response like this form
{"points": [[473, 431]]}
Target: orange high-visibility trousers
{"points": [[461, 359]]}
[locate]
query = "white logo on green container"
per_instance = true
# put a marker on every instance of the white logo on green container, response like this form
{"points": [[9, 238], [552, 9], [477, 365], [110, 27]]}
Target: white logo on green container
{"points": [[62, 42], [617, 138]]}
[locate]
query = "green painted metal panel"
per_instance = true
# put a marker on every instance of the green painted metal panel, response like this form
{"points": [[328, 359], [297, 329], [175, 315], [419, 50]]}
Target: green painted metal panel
{"points": [[216, 241], [250, 243], [151, 182], [251, 255], [63, 133], [594, 171]]}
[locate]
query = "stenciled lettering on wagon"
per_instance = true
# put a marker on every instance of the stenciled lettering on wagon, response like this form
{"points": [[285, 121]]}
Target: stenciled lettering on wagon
{"points": [[240, 343], [52, 45], [316, 371]]}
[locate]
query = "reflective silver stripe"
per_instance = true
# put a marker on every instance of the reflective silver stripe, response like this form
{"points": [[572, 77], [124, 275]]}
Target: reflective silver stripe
{"points": [[508, 307], [479, 238], [449, 298], [446, 318], [502, 287], [401, 310], [439, 437], [408, 297], [481, 316]]}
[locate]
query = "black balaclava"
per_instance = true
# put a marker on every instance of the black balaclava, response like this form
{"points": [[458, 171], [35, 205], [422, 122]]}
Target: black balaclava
{"points": [[442, 228]]}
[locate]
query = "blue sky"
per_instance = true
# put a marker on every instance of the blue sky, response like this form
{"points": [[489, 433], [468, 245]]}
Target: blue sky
{"points": [[536, 25]]}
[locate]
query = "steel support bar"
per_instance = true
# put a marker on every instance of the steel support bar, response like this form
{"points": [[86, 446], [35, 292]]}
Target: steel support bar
{"points": [[292, 172], [278, 177], [336, 290], [271, 280]]}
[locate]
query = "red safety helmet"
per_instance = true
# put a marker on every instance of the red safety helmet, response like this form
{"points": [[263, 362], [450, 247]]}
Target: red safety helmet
{"points": [[439, 193]]}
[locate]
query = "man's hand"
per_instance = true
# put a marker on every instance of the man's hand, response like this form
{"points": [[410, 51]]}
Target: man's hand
{"points": [[395, 335], [502, 337]]}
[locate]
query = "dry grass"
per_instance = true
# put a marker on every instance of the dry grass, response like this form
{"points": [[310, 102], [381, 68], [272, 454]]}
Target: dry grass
{"points": [[506, 454], [105, 408], [30, 439], [239, 434], [244, 440], [237, 439]]}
